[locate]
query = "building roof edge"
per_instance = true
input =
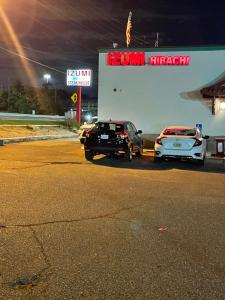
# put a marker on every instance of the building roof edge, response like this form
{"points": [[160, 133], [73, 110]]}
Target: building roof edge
{"points": [[165, 49]]}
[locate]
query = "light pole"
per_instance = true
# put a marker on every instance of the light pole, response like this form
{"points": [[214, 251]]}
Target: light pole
{"points": [[8, 94], [47, 77]]}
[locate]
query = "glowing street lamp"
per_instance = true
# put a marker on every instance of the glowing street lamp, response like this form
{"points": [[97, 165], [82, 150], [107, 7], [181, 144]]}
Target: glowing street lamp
{"points": [[222, 105], [47, 77]]}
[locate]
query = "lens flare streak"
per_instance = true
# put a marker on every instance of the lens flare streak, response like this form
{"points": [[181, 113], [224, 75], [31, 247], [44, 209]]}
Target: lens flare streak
{"points": [[16, 43]]}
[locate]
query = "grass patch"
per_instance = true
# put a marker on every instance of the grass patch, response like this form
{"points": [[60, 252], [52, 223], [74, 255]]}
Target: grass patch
{"points": [[31, 122]]}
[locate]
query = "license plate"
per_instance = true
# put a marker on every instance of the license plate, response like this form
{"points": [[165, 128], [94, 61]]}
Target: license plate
{"points": [[177, 145], [104, 136]]}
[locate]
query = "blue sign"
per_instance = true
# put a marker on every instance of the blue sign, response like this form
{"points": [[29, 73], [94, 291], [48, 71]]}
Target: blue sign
{"points": [[199, 126]]}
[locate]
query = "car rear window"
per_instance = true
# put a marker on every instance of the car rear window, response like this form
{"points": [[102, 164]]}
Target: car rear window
{"points": [[180, 131], [110, 126]]}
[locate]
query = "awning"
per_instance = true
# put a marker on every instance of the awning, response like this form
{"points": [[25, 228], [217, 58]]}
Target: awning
{"points": [[216, 90]]}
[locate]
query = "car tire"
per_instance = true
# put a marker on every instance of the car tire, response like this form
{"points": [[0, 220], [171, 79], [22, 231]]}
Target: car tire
{"points": [[89, 155], [128, 155], [200, 162], [157, 159]]}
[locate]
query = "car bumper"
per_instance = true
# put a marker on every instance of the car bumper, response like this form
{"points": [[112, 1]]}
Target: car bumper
{"points": [[105, 150], [194, 154]]}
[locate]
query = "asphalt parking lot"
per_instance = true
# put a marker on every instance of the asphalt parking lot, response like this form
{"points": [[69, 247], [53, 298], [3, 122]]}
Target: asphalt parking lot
{"points": [[108, 229]]}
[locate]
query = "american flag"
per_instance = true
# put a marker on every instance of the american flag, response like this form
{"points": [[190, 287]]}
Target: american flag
{"points": [[128, 30]]}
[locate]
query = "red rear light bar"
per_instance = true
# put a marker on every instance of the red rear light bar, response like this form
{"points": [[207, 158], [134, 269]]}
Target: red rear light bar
{"points": [[159, 141], [123, 135]]}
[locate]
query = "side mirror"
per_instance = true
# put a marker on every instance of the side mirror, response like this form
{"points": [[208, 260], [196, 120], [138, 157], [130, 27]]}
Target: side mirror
{"points": [[206, 137], [139, 132]]}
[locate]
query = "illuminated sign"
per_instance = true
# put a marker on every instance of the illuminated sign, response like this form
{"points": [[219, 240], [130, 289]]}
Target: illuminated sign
{"points": [[126, 58], [139, 59], [79, 77], [169, 60]]}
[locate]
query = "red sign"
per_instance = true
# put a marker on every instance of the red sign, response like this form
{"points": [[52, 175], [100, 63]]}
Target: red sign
{"points": [[138, 59], [169, 60], [126, 58]]}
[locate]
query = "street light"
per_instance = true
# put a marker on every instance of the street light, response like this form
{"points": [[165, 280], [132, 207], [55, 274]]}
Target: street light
{"points": [[47, 77], [222, 105]]}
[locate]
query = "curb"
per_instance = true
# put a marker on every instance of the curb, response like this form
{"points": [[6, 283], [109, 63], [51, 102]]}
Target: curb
{"points": [[36, 138], [28, 125]]}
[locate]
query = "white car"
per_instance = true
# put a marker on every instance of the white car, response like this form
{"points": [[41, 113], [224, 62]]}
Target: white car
{"points": [[181, 142]]}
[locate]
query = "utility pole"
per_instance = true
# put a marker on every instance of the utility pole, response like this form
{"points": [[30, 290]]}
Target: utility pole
{"points": [[55, 95], [79, 104], [157, 40], [8, 90]]}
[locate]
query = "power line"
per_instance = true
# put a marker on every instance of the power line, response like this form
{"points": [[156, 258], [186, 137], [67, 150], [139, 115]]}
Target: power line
{"points": [[31, 60], [135, 31], [62, 57], [111, 23], [108, 23], [53, 10]]}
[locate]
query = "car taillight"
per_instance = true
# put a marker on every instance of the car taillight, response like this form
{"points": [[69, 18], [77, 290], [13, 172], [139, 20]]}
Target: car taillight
{"points": [[197, 142], [88, 133], [159, 141], [123, 135]]}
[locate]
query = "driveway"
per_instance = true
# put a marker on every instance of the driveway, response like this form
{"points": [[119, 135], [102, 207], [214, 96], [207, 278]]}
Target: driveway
{"points": [[73, 229]]}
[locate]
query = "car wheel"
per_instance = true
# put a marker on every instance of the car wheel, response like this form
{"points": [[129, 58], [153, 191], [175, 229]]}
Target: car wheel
{"points": [[157, 159], [128, 154], [89, 155], [200, 162]]}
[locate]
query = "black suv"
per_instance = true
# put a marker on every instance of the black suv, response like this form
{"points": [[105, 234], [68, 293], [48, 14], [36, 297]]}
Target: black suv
{"points": [[113, 138]]}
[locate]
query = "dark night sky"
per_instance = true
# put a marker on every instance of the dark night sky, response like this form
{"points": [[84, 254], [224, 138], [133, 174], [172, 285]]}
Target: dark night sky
{"points": [[66, 33]]}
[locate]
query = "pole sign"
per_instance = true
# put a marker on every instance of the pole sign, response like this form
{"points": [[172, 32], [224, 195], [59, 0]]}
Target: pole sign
{"points": [[199, 126], [79, 77], [74, 98]]}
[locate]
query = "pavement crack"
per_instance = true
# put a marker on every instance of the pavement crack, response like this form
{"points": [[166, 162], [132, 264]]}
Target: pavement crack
{"points": [[45, 256], [41, 163], [40, 276], [32, 167], [103, 216]]}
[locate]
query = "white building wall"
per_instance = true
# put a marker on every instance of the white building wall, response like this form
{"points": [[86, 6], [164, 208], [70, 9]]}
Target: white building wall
{"points": [[154, 97]]}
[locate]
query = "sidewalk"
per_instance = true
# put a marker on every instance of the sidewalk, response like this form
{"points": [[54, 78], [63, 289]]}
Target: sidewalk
{"points": [[36, 138]]}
